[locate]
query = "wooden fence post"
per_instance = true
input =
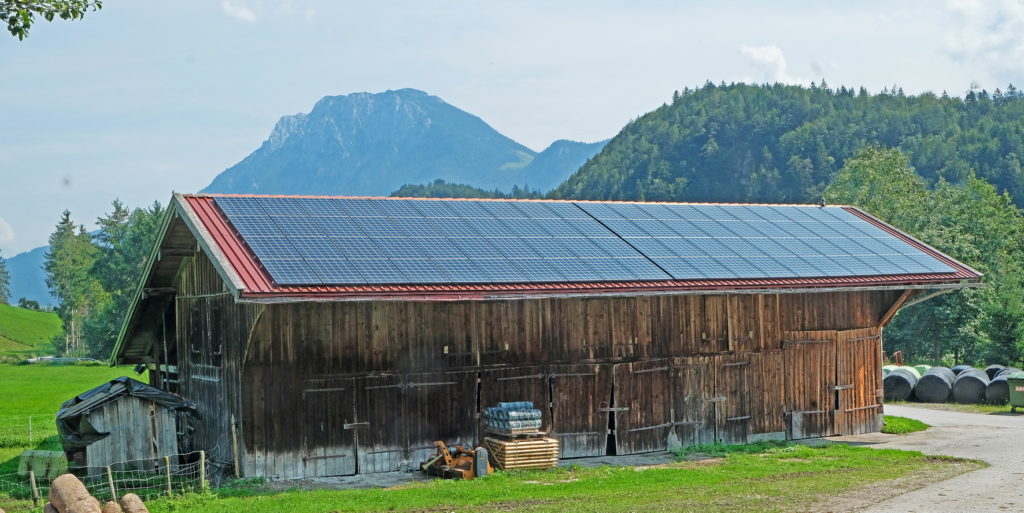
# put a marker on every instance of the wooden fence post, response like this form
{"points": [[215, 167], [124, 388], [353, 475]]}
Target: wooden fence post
{"points": [[167, 471], [110, 483], [35, 488], [202, 472], [234, 445]]}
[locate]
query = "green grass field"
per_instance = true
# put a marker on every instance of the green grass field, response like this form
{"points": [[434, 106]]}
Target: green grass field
{"points": [[25, 333], [778, 478], [901, 425], [39, 390]]}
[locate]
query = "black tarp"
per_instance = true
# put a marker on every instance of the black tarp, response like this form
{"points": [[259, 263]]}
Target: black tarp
{"points": [[71, 412]]}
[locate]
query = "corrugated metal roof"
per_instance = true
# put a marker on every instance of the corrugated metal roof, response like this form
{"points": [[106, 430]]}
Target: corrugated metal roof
{"points": [[259, 284]]}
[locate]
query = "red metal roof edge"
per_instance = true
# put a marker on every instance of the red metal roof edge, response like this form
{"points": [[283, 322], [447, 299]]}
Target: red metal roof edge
{"points": [[259, 285], [522, 200]]}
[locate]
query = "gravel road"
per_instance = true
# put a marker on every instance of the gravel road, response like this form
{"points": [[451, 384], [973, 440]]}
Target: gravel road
{"points": [[995, 439]]}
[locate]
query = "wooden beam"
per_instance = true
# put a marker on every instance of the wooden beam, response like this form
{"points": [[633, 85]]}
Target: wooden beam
{"points": [[158, 291], [896, 306], [177, 252]]}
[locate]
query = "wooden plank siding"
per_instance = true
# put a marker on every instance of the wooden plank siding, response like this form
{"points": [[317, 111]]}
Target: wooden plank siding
{"points": [[659, 370]]}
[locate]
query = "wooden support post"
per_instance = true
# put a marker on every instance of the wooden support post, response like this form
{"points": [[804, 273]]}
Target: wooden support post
{"points": [[234, 445], [110, 483], [167, 472], [896, 306], [35, 488], [202, 472]]}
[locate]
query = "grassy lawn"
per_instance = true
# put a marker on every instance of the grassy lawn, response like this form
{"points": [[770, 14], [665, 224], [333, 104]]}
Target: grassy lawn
{"points": [[39, 390], [966, 408], [25, 333], [780, 478], [901, 425]]}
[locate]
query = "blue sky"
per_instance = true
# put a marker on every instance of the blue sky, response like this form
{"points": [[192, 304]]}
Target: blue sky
{"points": [[146, 97]]}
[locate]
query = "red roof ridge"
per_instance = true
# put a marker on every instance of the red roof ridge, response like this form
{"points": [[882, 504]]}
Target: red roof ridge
{"points": [[524, 200]]}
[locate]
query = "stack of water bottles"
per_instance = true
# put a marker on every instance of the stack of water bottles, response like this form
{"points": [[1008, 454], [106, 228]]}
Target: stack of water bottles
{"points": [[514, 417]]}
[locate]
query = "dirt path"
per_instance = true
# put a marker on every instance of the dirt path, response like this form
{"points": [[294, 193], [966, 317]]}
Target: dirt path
{"points": [[995, 439]]}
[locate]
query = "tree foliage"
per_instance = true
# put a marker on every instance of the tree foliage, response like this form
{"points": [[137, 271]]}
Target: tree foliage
{"points": [[19, 15], [779, 143], [93, 276], [5, 282], [441, 189], [971, 222]]}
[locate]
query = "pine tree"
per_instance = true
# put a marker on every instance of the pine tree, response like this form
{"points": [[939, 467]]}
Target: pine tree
{"points": [[67, 265], [5, 282]]}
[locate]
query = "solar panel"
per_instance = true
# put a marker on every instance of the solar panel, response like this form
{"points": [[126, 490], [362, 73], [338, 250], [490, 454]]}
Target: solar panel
{"points": [[312, 241]]}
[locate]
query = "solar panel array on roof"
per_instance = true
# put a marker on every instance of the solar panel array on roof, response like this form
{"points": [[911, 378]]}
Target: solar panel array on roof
{"points": [[338, 241]]}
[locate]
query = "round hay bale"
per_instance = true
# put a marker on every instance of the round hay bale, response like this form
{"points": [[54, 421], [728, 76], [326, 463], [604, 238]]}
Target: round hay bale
{"points": [[921, 369], [912, 371], [997, 391], [957, 369], [993, 370], [68, 494], [1007, 371], [112, 507], [969, 387], [935, 386], [133, 504], [899, 384]]}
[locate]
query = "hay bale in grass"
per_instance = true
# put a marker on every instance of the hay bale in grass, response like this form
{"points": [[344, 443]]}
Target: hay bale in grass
{"points": [[1007, 371], [935, 386], [912, 370], [922, 369], [68, 495], [133, 504], [993, 370], [969, 387], [112, 507], [899, 384], [998, 391], [957, 369]]}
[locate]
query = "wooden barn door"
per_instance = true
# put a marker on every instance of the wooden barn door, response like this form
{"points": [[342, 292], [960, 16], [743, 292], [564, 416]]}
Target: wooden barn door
{"points": [[859, 381], [732, 387], [642, 406], [439, 406], [579, 408], [693, 400], [810, 382], [379, 439], [329, 448], [519, 384]]}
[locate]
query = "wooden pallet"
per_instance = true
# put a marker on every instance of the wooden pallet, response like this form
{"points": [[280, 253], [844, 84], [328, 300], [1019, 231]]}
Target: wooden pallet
{"points": [[517, 433], [530, 453]]}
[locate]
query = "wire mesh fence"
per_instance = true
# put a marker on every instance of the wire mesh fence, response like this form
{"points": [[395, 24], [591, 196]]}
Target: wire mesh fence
{"points": [[151, 478], [26, 430]]}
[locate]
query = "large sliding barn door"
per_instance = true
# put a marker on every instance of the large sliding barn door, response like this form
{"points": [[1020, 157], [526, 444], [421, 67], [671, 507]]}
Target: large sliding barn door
{"points": [[328, 444], [733, 399], [643, 406], [580, 395], [439, 406], [518, 384], [694, 399], [810, 382], [379, 439], [859, 377]]}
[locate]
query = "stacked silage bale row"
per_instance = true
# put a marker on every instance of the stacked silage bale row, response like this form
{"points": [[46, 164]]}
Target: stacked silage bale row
{"points": [[963, 384]]}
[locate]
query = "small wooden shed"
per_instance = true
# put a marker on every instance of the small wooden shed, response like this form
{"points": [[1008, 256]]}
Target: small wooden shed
{"points": [[123, 423], [328, 336]]}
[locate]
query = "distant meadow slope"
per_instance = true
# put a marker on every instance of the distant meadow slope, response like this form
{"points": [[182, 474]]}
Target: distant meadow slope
{"points": [[25, 333]]}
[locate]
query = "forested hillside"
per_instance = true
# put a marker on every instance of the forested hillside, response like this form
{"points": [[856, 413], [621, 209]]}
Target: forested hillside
{"points": [[783, 143]]}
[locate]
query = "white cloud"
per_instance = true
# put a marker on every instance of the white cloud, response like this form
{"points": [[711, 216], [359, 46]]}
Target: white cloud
{"points": [[238, 10], [6, 232], [988, 33], [771, 63]]}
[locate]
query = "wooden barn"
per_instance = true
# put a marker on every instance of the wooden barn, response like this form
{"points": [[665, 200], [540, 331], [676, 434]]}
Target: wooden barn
{"points": [[328, 336]]}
